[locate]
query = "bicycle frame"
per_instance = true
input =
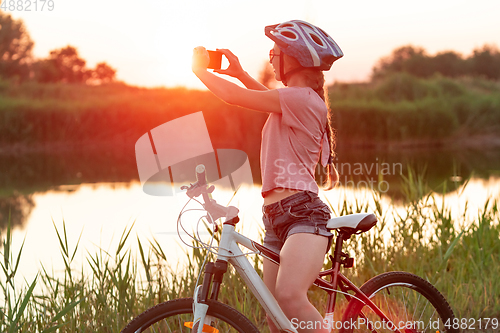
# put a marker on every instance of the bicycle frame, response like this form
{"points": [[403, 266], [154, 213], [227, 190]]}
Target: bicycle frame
{"points": [[229, 251]]}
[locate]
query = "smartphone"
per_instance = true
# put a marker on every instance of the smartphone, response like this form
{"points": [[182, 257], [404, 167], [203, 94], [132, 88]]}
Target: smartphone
{"points": [[215, 59]]}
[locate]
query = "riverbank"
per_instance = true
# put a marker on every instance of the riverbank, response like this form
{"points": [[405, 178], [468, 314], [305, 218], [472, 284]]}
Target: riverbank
{"points": [[399, 112]]}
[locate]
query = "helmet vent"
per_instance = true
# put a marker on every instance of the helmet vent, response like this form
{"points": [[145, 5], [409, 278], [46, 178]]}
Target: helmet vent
{"points": [[288, 34], [322, 31], [308, 25], [316, 39]]}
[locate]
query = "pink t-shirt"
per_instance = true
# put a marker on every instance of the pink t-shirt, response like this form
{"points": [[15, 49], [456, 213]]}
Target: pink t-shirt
{"points": [[293, 140]]}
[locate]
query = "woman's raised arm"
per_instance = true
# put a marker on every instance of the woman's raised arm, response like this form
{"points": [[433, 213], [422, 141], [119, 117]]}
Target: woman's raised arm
{"points": [[258, 100]]}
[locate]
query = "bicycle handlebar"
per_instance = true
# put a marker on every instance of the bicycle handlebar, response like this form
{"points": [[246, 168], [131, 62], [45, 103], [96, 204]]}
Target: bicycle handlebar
{"points": [[201, 187]]}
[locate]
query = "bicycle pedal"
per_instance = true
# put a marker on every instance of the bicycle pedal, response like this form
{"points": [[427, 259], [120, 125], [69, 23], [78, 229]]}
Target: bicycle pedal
{"points": [[206, 328]]}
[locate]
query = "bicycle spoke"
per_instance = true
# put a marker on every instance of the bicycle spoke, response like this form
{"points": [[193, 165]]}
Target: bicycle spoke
{"points": [[416, 306], [420, 318], [404, 304], [429, 323], [180, 324]]}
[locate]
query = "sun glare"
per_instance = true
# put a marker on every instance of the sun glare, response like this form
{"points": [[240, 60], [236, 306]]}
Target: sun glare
{"points": [[152, 45]]}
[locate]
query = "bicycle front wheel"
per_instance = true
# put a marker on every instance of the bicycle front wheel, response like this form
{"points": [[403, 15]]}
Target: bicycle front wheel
{"points": [[411, 303], [174, 317]]}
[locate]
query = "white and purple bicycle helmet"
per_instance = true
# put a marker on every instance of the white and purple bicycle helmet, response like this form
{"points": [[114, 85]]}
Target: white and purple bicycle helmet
{"points": [[311, 46]]}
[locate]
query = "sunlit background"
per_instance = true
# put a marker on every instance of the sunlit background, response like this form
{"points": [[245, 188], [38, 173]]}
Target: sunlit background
{"points": [[150, 42], [74, 165]]}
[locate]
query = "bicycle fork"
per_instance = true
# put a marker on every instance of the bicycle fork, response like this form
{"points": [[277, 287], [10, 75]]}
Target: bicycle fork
{"points": [[200, 314], [200, 308]]}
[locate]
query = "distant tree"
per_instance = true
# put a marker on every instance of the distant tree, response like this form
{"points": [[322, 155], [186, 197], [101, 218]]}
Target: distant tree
{"points": [[15, 48], [410, 59], [449, 64], [62, 65], [485, 62], [65, 65], [102, 73]]}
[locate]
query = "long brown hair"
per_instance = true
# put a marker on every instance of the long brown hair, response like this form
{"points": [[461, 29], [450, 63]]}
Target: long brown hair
{"points": [[315, 79]]}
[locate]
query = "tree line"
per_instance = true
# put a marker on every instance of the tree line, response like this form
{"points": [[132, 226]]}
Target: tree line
{"points": [[62, 65], [483, 62], [65, 65]]}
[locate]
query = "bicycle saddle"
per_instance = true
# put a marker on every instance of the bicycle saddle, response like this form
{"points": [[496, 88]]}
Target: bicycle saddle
{"points": [[354, 222]]}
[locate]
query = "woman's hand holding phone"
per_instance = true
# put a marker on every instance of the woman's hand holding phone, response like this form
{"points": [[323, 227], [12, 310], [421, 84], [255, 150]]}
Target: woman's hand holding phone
{"points": [[234, 69], [203, 59]]}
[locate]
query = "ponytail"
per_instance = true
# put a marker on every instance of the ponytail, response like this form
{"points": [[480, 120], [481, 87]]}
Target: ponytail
{"points": [[331, 171], [315, 79]]}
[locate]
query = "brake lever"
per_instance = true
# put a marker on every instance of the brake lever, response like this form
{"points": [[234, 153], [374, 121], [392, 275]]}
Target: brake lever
{"points": [[191, 190], [195, 190]]}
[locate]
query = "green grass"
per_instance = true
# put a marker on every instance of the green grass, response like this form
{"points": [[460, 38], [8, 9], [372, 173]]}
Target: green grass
{"points": [[461, 258]]}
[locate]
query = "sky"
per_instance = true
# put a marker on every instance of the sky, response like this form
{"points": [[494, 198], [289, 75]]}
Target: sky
{"points": [[150, 42]]}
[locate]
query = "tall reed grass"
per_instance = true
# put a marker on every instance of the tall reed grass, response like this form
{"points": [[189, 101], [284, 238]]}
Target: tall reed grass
{"points": [[406, 109], [420, 235], [398, 108]]}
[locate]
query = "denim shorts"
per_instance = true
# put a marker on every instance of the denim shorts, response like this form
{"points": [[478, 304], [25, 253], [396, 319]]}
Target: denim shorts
{"points": [[302, 212]]}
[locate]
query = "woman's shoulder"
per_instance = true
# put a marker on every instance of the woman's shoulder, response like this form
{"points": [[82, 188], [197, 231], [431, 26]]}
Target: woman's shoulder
{"points": [[300, 97], [298, 93], [296, 89]]}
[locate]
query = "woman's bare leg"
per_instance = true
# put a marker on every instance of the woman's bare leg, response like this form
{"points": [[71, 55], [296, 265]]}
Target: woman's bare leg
{"points": [[301, 259]]}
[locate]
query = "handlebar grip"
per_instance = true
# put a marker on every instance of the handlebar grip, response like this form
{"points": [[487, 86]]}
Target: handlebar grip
{"points": [[201, 177]]}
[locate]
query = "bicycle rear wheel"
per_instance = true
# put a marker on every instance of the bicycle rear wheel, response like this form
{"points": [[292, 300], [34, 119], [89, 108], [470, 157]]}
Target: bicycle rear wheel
{"points": [[411, 303], [171, 317]]}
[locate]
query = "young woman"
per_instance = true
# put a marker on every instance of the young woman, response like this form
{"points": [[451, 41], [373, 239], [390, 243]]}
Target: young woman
{"points": [[296, 136]]}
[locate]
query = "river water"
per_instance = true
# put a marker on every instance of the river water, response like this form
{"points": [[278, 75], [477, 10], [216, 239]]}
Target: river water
{"points": [[98, 198]]}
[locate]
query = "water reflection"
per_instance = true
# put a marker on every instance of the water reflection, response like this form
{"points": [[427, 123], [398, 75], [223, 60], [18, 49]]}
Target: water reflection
{"points": [[15, 209], [444, 170], [22, 175], [96, 216], [32, 172]]}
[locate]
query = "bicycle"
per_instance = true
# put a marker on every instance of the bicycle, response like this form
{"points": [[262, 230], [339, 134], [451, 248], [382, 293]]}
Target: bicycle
{"points": [[390, 302]]}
